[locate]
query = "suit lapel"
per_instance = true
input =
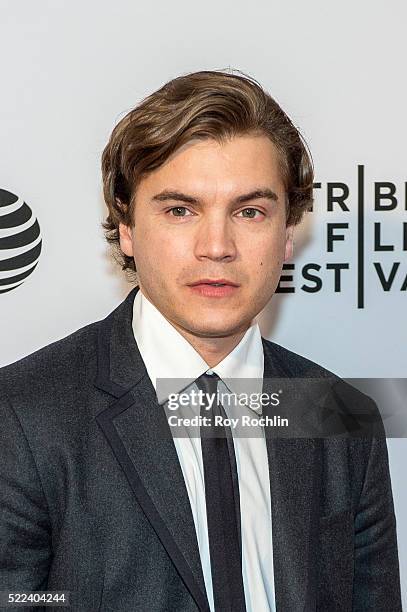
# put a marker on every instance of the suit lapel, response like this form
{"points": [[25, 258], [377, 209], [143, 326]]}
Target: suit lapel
{"points": [[136, 428], [295, 475]]}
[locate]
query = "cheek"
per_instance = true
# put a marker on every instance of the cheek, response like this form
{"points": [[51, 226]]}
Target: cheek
{"points": [[144, 246], [266, 257], [159, 250]]}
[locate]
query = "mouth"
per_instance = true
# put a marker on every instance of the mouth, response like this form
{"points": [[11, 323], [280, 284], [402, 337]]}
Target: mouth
{"points": [[214, 282], [219, 287]]}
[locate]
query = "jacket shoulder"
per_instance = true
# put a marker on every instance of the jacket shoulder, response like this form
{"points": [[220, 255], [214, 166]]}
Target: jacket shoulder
{"points": [[294, 364], [61, 364], [358, 411]]}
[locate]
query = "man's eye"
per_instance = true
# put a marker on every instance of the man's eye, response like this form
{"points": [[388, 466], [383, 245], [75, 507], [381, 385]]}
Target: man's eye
{"points": [[178, 211], [251, 213]]}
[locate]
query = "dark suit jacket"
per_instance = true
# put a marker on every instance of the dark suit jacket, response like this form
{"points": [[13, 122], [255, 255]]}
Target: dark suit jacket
{"points": [[94, 502]]}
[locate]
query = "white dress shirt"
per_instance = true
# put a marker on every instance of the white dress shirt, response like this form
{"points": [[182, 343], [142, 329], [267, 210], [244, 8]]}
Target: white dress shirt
{"points": [[168, 355]]}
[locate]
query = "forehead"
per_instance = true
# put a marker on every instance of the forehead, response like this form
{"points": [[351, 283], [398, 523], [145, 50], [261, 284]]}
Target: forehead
{"points": [[229, 167]]}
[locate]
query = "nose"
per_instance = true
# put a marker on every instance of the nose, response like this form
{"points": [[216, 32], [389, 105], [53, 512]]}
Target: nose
{"points": [[215, 238]]}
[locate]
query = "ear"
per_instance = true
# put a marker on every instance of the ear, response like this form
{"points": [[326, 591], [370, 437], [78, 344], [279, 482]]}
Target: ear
{"points": [[126, 242], [289, 243]]}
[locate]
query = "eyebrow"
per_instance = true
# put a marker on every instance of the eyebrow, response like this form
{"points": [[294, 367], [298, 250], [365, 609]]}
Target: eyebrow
{"points": [[257, 194]]}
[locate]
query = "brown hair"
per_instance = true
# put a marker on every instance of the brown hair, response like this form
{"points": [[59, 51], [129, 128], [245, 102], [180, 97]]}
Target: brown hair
{"points": [[207, 104]]}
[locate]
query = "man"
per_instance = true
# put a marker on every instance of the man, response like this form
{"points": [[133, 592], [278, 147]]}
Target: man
{"points": [[204, 182]]}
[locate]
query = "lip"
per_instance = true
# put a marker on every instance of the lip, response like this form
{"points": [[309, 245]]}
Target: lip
{"points": [[205, 289], [209, 281]]}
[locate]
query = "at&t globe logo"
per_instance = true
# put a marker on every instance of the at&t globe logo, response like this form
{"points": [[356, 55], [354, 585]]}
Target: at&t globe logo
{"points": [[20, 241]]}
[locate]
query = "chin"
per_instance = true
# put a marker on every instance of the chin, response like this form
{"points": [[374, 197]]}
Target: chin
{"points": [[216, 328]]}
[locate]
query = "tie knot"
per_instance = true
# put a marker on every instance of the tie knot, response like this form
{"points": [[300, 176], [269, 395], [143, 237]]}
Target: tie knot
{"points": [[210, 405], [208, 383]]}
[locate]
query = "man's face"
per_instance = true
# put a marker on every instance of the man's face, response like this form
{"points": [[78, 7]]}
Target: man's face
{"points": [[211, 212]]}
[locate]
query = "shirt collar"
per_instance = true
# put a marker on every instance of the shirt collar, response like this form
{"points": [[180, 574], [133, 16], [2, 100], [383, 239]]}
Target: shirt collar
{"points": [[172, 361]]}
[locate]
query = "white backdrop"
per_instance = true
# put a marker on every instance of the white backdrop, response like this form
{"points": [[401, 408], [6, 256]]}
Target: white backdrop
{"points": [[70, 70]]}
